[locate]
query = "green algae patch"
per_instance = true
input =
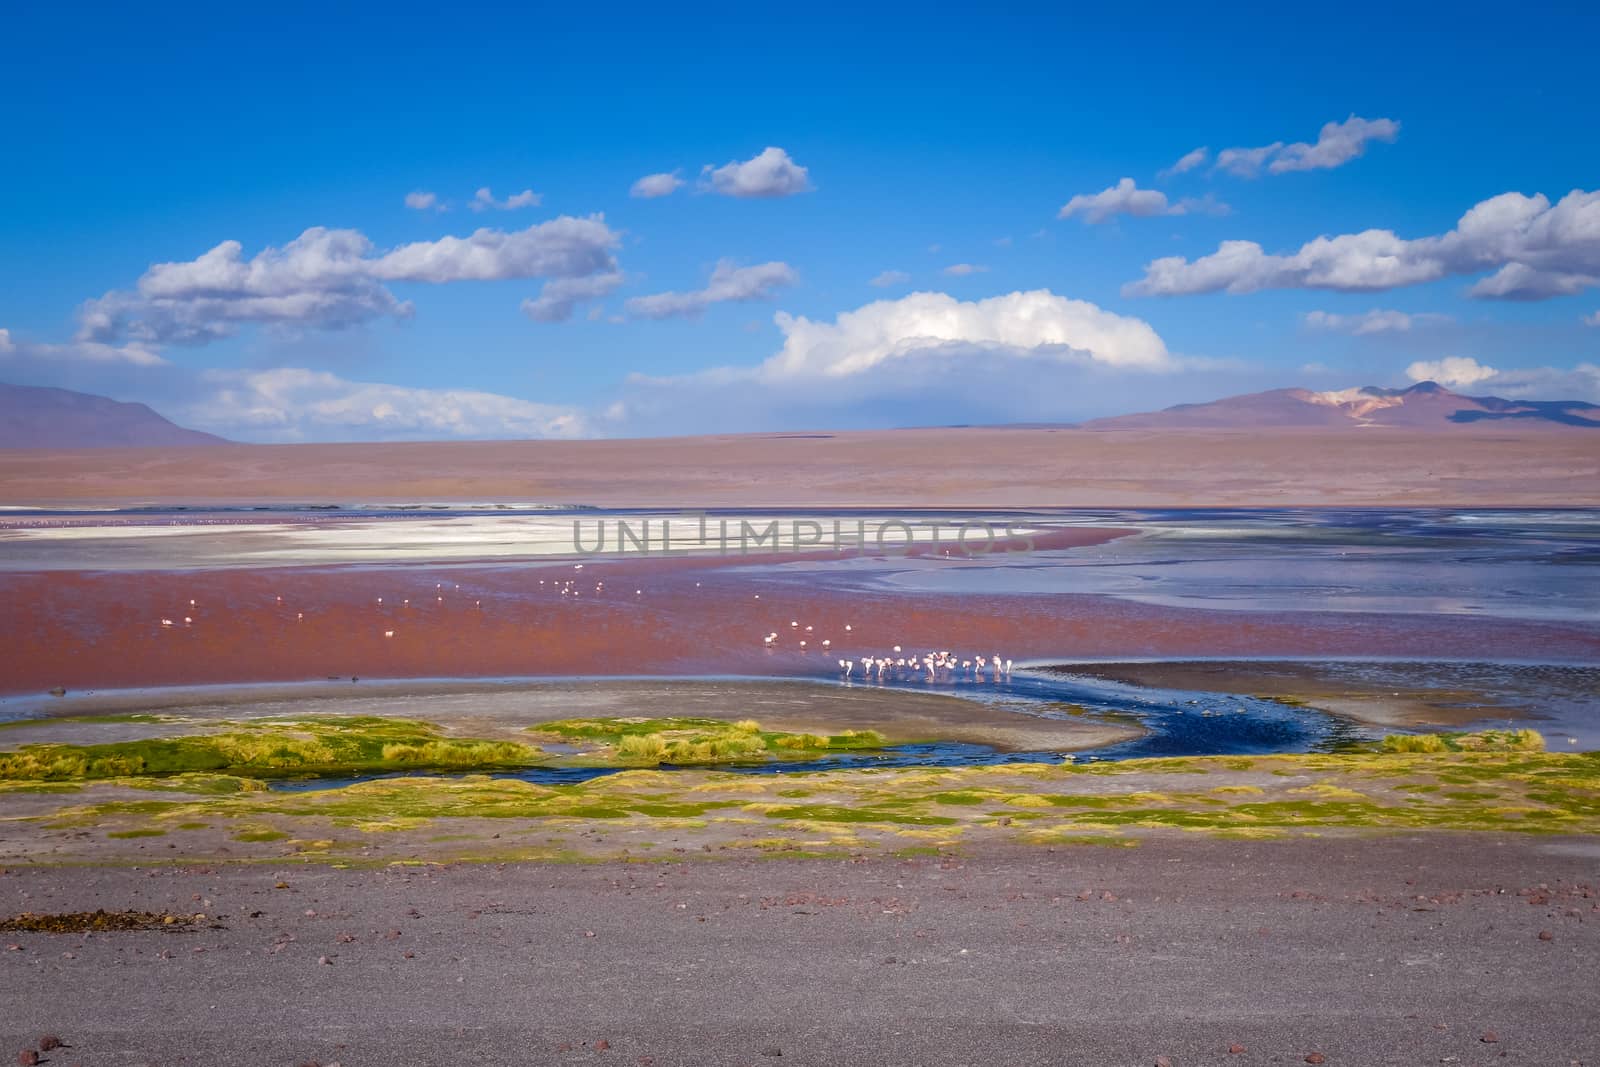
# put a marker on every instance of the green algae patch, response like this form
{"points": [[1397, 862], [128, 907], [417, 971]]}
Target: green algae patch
{"points": [[648, 742], [272, 749], [1475, 785], [136, 833], [1481, 741], [260, 835]]}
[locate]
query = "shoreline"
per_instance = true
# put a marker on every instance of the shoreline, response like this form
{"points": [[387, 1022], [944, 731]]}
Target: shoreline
{"points": [[502, 707], [1308, 682]]}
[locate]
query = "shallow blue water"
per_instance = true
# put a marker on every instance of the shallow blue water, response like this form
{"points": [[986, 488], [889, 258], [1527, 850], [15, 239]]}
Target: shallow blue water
{"points": [[1177, 723]]}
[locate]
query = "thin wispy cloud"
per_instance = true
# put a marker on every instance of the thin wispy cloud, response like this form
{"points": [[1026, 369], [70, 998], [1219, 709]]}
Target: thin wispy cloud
{"points": [[1377, 320], [652, 186], [728, 283], [296, 404], [483, 200], [1337, 144], [1126, 198], [559, 298], [1187, 162], [898, 277]]}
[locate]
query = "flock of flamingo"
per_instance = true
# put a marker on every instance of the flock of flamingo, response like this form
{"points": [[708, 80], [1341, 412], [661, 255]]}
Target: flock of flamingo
{"points": [[932, 666], [898, 666]]}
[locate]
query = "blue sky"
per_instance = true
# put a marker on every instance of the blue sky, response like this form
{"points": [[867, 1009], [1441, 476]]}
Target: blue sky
{"points": [[906, 141]]}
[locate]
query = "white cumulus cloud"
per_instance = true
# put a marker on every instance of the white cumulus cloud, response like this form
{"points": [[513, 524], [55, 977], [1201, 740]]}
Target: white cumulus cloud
{"points": [[1027, 325], [961, 270], [928, 358], [1451, 371], [333, 278], [422, 200], [728, 283], [653, 185], [1337, 144], [770, 174], [1537, 250]]}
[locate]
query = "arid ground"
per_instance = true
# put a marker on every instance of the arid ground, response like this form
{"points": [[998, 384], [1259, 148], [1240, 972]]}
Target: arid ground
{"points": [[960, 467], [1408, 950]]}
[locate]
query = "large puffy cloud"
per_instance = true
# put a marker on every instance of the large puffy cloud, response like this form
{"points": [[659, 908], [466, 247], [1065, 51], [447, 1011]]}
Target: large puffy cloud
{"points": [[729, 283], [1126, 198], [1452, 371], [770, 174], [333, 278], [1536, 249], [1037, 325], [930, 359], [295, 404], [1337, 143]]}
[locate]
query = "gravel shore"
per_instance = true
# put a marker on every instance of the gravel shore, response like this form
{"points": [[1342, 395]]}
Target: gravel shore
{"points": [[1419, 949]]}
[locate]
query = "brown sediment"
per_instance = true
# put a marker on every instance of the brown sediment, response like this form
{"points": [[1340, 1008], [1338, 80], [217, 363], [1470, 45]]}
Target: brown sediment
{"points": [[1476, 466], [690, 617]]}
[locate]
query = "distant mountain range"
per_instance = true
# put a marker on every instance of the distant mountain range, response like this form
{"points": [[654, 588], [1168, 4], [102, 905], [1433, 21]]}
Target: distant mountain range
{"points": [[1426, 405], [33, 417]]}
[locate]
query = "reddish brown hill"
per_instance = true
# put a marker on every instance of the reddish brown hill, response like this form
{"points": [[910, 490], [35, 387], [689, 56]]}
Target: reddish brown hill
{"points": [[1426, 405], [34, 417]]}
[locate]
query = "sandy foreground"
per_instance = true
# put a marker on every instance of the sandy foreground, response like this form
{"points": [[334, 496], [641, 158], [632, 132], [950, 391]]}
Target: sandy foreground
{"points": [[944, 467], [1392, 950]]}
